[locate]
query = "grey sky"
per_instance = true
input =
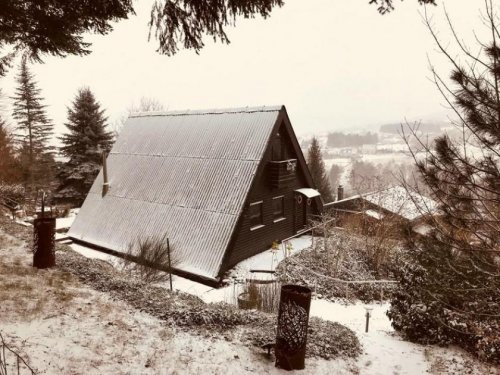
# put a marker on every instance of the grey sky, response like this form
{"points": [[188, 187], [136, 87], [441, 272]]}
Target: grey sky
{"points": [[334, 64]]}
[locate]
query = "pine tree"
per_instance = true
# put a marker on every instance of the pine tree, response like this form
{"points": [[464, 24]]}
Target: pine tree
{"points": [[33, 132], [317, 168], [8, 169], [83, 146], [450, 286]]}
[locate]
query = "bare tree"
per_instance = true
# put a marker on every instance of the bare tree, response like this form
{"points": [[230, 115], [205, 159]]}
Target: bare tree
{"points": [[454, 272], [145, 104]]}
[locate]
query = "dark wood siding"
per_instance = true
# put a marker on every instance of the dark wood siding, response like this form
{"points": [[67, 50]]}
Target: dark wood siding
{"points": [[249, 241]]}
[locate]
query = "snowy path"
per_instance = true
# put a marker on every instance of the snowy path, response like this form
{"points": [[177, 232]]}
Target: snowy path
{"points": [[384, 351]]}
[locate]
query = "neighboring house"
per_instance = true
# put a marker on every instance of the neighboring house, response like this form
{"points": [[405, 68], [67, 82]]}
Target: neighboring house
{"points": [[221, 184], [394, 207]]}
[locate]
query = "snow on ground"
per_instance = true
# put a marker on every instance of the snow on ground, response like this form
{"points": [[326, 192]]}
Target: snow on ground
{"points": [[60, 326], [269, 259], [385, 352], [66, 222]]}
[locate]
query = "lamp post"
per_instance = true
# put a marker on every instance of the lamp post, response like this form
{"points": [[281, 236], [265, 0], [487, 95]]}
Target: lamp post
{"points": [[367, 315]]}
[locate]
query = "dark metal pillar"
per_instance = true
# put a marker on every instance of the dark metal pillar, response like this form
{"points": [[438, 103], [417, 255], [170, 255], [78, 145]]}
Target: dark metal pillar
{"points": [[293, 319], [44, 230]]}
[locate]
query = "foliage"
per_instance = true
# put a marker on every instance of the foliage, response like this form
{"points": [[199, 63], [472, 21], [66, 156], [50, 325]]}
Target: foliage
{"points": [[13, 193], [145, 104], [9, 171], [442, 299], [56, 27], [317, 168], [367, 177], [83, 146], [148, 259], [450, 290], [386, 6], [33, 131], [345, 267]]}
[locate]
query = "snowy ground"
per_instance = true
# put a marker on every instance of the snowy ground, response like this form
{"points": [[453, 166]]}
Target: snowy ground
{"points": [[63, 327], [60, 326], [384, 351]]}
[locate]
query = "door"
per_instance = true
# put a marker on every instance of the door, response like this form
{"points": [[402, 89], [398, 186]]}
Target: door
{"points": [[300, 212]]}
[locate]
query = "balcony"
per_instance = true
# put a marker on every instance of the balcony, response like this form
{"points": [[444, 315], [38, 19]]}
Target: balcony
{"points": [[282, 172]]}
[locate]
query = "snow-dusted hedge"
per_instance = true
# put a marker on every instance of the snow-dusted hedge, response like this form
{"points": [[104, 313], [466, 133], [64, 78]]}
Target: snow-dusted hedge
{"points": [[443, 299], [349, 257]]}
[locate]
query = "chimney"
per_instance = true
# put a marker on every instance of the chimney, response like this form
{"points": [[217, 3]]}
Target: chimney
{"points": [[340, 193], [105, 183]]}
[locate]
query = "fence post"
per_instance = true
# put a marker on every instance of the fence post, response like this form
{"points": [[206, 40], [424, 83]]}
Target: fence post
{"points": [[293, 319]]}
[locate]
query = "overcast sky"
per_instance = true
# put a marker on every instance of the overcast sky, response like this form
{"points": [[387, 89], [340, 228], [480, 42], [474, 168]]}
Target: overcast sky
{"points": [[335, 64]]}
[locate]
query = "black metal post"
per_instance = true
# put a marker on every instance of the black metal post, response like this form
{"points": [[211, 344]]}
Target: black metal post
{"points": [[293, 319], [169, 265], [44, 230]]}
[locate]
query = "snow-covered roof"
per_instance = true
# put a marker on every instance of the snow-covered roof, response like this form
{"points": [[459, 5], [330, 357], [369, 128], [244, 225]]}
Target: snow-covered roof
{"points": [[181, 174], [398, 200], [308, 192], [401, 201]]}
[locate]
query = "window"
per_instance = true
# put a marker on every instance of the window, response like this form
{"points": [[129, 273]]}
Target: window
{"points": [[278, 208], [255, 213]]}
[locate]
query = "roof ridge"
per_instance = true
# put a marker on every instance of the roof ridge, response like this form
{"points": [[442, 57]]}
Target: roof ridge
{"points": [[213, 111]]}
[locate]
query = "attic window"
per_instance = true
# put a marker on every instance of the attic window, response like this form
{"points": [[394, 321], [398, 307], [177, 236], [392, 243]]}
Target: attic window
{"points": [[278, 208], [255, 214]]}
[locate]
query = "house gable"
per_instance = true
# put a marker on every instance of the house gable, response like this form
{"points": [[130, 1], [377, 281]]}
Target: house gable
{"points": [[250, 238]]}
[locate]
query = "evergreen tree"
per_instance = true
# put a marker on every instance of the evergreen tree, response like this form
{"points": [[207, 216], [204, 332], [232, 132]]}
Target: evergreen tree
{"points": [[33, 131], [56, 27], [8, 168], [450, 287], [317, 168], [83, 146]]}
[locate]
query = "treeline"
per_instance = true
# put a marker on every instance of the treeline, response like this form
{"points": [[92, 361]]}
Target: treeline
{"points": [[28, 162], [398, 128], [339, 139]]}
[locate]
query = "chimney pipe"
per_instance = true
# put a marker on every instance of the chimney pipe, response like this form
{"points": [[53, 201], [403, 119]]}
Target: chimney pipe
{"points": [[340, 193], [105, 183]]}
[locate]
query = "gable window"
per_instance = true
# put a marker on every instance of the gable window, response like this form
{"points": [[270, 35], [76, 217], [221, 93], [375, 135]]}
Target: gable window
{"points": [[255, 214], [278, 208]]}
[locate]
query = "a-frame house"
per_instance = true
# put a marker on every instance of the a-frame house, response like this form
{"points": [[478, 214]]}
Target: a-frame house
{"points": [[221, 184]]}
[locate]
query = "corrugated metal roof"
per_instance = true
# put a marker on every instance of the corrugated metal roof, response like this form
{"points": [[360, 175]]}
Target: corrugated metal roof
{"points": [[184, 174]]}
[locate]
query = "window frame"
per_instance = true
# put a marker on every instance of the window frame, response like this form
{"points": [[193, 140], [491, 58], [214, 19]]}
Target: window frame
{"points": [[279, 216], [254, 226]]}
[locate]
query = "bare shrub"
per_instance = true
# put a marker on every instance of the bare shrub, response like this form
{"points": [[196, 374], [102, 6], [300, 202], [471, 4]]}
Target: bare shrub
{"points": [[263, 295], [148, 259]]}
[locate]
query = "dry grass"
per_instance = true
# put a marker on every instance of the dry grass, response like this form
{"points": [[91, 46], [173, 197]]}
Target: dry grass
{"points": [[27, 292]]}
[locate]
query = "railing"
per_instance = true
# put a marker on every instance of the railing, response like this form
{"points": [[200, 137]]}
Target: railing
{"points": [[11, 204], [10, 360]]}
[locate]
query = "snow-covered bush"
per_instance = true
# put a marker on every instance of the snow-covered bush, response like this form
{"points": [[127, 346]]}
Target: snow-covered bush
{"points": [[13, 192], [443, 298], [347, 257]]}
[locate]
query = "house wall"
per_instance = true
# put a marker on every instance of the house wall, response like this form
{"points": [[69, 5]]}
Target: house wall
{"points": [[249, 241]]}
